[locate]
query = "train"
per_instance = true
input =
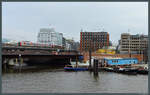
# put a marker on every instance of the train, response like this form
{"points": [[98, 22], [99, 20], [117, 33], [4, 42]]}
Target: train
{"points": [[30, 44]]}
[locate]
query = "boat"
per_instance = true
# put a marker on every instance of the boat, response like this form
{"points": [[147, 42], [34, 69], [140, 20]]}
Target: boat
{"points": [[109, 69], [143, 70], [130, 71], [70, 68], [79, 66], [127, 70]]}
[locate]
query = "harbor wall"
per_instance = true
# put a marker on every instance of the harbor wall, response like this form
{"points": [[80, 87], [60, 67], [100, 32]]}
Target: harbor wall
{"points": [[140, 57]]}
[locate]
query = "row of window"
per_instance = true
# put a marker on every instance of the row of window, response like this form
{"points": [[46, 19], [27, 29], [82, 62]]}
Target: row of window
{"points": [[116, 61], [133, 47], [96, 33], [92, 47], [137, 45], [94, 37], [138, 42]]}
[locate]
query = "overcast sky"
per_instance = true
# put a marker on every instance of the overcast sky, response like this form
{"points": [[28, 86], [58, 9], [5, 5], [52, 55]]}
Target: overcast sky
{"points": [[22, 21]]}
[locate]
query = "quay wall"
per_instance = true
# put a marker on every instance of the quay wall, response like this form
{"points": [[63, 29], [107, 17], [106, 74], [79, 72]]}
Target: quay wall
{"points": [[140, 57]]}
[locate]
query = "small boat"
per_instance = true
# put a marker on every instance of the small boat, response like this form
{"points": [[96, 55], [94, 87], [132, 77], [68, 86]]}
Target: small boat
{"points": [[79, 66], [130, 71], [143, 70], [109, 69], [71, 68]]}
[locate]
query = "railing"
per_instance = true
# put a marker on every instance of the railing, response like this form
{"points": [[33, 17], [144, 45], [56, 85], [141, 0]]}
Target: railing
{"points": [[27, 52], [15, 50]]}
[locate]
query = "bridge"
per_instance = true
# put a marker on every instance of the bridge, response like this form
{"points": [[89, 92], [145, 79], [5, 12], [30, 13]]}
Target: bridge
{"points": [[38, 55]]}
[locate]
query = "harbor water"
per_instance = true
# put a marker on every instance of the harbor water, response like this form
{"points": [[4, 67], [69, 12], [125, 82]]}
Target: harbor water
{"points": [[60, 81]]}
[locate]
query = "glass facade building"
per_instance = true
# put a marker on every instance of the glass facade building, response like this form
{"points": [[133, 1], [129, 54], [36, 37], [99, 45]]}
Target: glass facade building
{"points": [[49, 36]]}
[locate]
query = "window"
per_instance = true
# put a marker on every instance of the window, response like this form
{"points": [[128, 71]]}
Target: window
{"points": [[115, 61]]}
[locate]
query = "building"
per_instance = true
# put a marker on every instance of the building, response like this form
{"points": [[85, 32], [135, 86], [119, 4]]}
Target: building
{"points": [[93, 40], [63, 42], [49, 36], [4, 40], [120, 61], [106, 51], [71, 44], [133, 44]]}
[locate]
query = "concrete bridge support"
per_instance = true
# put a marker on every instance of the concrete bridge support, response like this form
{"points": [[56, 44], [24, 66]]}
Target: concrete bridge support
{"points": [[5, 65]]}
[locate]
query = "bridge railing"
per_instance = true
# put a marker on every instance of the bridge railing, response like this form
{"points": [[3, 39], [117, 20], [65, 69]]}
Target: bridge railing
{"points": [[24, 50], [37, 52]]}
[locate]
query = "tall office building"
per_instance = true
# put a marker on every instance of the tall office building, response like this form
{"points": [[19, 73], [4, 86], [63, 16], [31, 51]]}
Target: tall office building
{"points": [[133, 43], [93, 40], [49, 36]]}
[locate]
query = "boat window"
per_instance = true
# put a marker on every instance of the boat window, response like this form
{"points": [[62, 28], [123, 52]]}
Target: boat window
{"points": [[115, 61]]}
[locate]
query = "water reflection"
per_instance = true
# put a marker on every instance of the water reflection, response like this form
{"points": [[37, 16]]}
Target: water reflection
{"points": [[59, 81], [96, 76]]}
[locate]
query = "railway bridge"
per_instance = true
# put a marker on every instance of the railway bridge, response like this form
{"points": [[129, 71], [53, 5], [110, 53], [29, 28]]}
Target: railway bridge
{"points": [[38, 55]]}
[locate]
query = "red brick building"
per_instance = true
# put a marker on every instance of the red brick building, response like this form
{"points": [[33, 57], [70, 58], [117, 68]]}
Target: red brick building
{"points": [[93, 40]]}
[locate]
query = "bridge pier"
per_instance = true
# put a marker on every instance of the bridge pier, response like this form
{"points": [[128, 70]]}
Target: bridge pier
{"points": [[5, 65], [16, 61]]}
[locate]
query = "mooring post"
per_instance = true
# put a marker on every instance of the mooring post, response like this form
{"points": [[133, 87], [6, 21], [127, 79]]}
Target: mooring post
{"points": [[90, 67], [76, 61], [20, 63], [95, 67]]}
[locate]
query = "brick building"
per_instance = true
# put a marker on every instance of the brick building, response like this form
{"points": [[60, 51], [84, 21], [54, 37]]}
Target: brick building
{"points": [[93, 40]]}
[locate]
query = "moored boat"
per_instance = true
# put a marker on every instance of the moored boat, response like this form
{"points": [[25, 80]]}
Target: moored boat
{"points": [[109, 69], [77, 66], [130, 71], [70, 68], [126, 70], [143, 70]]}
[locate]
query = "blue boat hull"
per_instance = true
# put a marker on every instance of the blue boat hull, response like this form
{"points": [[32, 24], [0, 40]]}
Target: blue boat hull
{"points": [[75, 69]]}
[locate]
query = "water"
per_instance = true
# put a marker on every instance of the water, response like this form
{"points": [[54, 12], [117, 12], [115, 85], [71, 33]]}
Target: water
{"points": [[59, 81]]}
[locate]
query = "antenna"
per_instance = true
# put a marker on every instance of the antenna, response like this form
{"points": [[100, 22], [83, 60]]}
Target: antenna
{"points": [[98, 29], [129, 31], [103, 28], [81, 30]]}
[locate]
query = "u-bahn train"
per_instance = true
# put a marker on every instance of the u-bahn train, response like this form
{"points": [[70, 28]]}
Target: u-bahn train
{"points": [[30, 44]]}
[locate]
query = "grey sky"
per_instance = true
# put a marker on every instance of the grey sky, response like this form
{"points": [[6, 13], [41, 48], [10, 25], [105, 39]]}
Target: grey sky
{"points": [[22, 21]]}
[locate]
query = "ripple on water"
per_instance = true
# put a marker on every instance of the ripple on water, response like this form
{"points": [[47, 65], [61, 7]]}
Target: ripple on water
{"points": [[73, 82]]}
